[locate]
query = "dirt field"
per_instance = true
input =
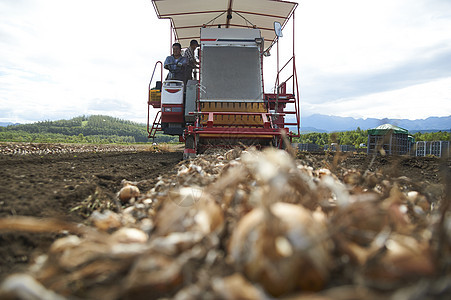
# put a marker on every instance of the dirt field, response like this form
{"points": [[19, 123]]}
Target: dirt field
{"points": [[61, 182], [51, 185]]}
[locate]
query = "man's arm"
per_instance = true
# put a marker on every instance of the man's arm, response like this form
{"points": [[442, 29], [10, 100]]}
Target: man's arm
{"points": [[184, 61], [170, 64]]}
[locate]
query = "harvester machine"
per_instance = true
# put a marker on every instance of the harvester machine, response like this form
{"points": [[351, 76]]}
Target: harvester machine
{"points": [[227, 105]]}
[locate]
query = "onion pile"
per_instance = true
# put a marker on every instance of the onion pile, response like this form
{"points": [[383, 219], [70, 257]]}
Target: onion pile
{"points": [[250, 225]]}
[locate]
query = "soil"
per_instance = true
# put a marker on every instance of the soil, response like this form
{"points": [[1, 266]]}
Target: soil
{"points": [[55, 185], [424, 170], [58, 185]]}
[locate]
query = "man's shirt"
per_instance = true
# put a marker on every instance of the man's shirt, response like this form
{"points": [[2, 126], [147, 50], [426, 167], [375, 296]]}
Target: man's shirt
{"points": [[176, 67]]}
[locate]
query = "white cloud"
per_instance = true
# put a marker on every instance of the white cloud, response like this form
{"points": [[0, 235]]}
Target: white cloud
{"points": [[351, 35], [59, 58], [414, 102], [62, 55], [356, 56]]}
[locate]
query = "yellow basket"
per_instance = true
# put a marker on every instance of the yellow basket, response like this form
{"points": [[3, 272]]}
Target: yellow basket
{"points": [[154, 96]]}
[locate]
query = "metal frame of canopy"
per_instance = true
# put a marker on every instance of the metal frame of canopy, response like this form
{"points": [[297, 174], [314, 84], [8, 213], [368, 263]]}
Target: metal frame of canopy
{"points": [[187, 16]]}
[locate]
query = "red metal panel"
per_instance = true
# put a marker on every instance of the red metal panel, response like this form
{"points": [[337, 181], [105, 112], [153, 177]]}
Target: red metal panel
{"points": [[239, 131], [168, 115]]}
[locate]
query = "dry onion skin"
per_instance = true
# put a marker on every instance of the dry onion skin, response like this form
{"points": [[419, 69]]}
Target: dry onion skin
{"points": [[248, 224], [284, 251]]}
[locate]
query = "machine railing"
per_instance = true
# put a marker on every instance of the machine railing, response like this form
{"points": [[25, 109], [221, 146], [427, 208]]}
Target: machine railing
{"points": [[153, 73], [156, 126], [155, 102], [281, 97], [266, 124], [264, 116]]}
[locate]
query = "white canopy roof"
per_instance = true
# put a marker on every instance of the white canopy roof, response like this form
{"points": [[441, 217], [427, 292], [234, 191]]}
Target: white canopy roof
{"points": [[188, 16]]}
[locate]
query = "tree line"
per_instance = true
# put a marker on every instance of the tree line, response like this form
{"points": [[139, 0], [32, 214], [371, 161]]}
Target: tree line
{"points": [[358, 137], [98, 129], [432, 136], [102, 129]]}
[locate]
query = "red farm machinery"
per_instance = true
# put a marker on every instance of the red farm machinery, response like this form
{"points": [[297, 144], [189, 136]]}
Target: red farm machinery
{"points": [[227, 104]]}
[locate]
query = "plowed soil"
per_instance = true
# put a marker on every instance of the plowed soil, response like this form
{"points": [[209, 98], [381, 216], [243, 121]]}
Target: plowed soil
{"points": [[54, 185]]}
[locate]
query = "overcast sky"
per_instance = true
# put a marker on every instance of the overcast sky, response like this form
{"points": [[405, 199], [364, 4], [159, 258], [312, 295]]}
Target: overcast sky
{"points": [[360, 58]]}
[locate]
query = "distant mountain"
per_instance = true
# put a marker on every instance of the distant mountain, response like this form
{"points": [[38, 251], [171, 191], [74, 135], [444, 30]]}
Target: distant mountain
{"points": [[323, 123], [309, 129], [4, 124]]}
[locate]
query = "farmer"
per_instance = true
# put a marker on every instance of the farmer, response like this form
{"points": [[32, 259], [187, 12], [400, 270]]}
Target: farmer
{"points": [[192, 62], [176, 64]]}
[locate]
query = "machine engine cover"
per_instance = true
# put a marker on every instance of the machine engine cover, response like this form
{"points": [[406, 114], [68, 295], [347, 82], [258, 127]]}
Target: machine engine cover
{"points": [[172, 92]]}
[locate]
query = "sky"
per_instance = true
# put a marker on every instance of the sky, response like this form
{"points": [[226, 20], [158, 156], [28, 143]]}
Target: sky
{"points": [[355, 58]]}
